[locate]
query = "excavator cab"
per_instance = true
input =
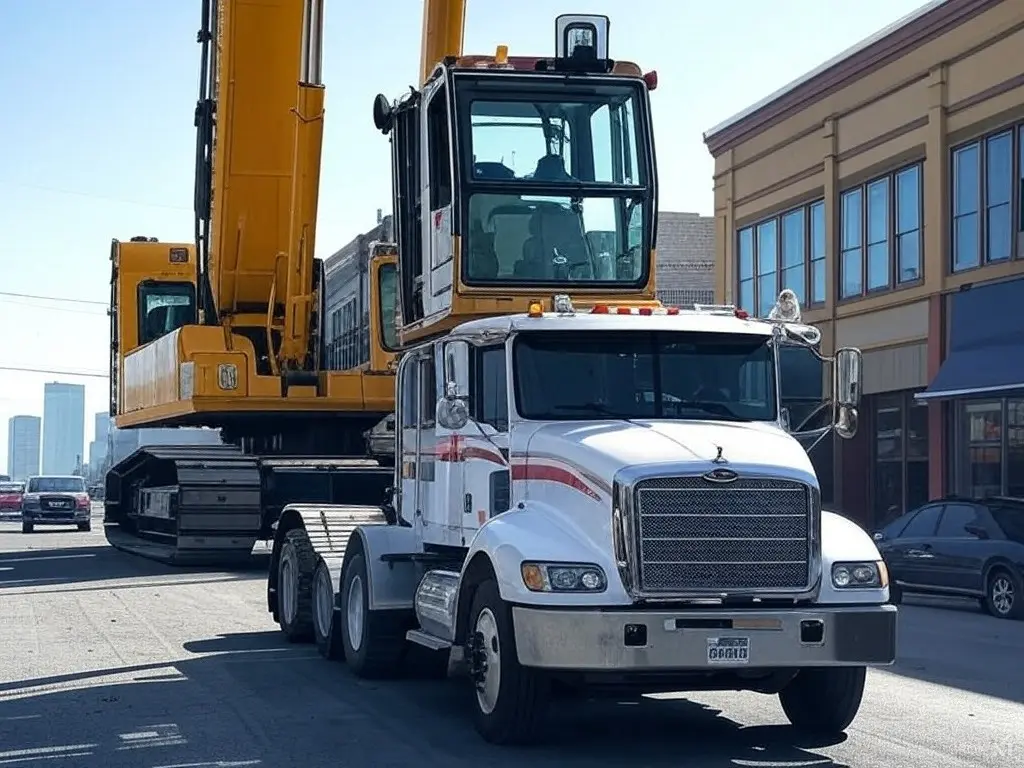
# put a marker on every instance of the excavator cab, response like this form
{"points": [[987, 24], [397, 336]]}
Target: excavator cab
{"points": [[518, 178]]}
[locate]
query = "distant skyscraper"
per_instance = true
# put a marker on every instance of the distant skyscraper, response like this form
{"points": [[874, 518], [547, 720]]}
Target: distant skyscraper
{"points": [[63, 428], [23, 446]]}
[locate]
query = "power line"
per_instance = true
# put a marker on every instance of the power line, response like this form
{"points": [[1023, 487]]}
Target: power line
{"points": [[56, 372], [64, 299], [94, 196]]}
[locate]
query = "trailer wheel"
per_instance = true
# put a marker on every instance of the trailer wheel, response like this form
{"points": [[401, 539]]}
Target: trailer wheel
{"points": [[824, 700], [326, 621], [373, 641], [294, 586], [510, 700]]}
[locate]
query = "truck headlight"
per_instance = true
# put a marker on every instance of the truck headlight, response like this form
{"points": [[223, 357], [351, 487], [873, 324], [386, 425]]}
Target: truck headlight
{"points": [[563, 577], [863, 575]]}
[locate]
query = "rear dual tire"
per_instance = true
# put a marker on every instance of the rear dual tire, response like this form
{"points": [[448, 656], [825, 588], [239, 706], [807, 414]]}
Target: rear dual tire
{"points": [[373, 642]]}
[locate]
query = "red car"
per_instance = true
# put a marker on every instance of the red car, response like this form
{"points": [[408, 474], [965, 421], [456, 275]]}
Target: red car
{"points": [[10, 496]]}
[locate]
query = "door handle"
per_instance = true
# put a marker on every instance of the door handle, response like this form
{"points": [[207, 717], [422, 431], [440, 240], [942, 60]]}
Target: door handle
{"points": [[920, 554]]}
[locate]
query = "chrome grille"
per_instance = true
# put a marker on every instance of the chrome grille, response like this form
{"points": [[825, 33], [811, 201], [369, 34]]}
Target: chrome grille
{"points": [[695, 535]]}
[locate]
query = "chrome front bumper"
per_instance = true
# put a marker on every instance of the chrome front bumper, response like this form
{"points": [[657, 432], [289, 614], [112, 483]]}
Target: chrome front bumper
{"points": [[689, 640]]}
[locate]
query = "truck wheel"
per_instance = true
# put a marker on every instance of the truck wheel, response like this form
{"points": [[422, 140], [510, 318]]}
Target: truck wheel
{"points": [[294, 586], [373, 641], [510, 700], [326, 630], [27, 527], [85, 526], [1003, 594], [824, 700]]}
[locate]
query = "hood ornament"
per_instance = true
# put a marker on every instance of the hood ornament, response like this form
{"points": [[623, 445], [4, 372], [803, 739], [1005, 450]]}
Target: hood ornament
{"points": [[719, 459]]}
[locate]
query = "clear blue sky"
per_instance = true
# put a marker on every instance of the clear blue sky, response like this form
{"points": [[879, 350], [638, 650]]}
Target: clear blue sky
{"points": [[98, 140]]}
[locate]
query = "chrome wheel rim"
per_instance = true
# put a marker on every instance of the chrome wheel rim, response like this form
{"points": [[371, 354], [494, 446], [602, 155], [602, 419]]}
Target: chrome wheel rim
{"points": [[324, 601], [355, 612], [1002, 595], [487, 689], [289, 588]]}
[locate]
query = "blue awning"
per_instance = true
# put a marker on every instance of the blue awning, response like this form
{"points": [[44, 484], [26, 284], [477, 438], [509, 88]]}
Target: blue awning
{"points": [[992, 370], [986, 343]]}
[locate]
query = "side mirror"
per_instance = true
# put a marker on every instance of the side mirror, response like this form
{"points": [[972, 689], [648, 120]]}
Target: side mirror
{"points": [[849, 376], [452, 414], [846, 423], [456, 370]]}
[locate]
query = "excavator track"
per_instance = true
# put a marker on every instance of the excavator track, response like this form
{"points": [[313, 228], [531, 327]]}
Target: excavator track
{"points": [[196, 505]]}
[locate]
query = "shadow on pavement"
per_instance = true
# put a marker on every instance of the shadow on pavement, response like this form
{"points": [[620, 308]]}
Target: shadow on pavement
{"points": [[953, 643], [254, 700], [77, 566]]}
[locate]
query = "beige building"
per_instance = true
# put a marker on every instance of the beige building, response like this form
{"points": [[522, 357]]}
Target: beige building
{"points": [[887, 188]]}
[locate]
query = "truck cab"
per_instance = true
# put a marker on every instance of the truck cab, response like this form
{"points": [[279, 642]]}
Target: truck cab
{"points": [[612, 497]]}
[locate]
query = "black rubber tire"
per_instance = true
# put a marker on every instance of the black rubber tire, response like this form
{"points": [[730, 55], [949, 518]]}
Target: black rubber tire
{"points": [[1016, 610], [895, 593], [523, 693], [329, 644], [382, 646], [824, 701], [85, 526], [27, 527], [297, 549]]}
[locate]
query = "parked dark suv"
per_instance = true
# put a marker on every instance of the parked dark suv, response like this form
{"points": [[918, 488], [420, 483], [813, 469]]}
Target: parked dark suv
{"points": [[55, 500], [959, 547]]}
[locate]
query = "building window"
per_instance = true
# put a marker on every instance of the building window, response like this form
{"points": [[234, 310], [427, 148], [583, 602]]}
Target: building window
{"points": [[787, 251], [880, 238], [900, 477], [988, 199], [991, 449]]}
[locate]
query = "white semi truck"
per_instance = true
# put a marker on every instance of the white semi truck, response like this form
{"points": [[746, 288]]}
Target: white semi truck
{"points": [[609, 497]]}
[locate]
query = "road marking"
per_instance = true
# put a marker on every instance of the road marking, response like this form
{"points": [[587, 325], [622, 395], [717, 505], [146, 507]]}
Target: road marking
{"points": [[44, 557]]}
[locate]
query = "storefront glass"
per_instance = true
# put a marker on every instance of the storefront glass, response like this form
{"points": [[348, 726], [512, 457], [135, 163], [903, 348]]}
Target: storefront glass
{"points": [[900, 477], [991, 449]]}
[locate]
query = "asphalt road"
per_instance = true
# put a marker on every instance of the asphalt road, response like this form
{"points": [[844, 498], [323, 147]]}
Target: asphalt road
{"points": [[108, 660]]}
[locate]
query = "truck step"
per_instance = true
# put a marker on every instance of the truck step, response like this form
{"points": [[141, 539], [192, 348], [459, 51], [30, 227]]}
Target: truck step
{"points": [[419, 637]]}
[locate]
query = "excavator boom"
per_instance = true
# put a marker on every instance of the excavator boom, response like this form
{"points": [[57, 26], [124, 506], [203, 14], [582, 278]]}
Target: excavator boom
{"points": [[261, 129]]}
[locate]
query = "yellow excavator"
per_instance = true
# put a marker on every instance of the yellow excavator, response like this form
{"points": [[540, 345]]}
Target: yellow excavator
{"points": [[515, 178]]}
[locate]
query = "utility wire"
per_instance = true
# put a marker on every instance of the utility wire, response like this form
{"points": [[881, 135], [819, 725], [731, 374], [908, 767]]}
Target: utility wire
{"points": [[56, 372], [93, 196], [63, 299]]}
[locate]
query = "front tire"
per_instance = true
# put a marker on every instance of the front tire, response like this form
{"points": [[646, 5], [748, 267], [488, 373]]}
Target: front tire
{"points": [[509, 700], [27, 527], [824, 700], [373, 641], [326, 620], [1003, 594], [294, 586]]}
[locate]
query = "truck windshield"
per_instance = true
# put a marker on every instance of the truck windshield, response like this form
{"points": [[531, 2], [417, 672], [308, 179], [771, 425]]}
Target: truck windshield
{"points": [[56, 485], [649, 375]]}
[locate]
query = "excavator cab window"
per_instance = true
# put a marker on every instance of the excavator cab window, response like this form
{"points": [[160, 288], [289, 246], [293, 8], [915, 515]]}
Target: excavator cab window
{"points": [[164, 307], [557, 180], [405, 165], [388, 276]]}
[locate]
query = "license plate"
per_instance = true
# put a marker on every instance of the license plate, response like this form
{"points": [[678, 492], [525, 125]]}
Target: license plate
{"points": [[728, 650]]}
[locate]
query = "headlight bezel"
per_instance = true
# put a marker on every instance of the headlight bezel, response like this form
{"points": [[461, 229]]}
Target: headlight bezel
{"points": [[859, 575], [562, 578]]}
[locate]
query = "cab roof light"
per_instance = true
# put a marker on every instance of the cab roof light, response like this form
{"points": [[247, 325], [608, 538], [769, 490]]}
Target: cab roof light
{"points": [[671, 310], [651, 80], [501, 55], [536, 309], [623, 311], [599, 309], [645, 311], [741, 314]]}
